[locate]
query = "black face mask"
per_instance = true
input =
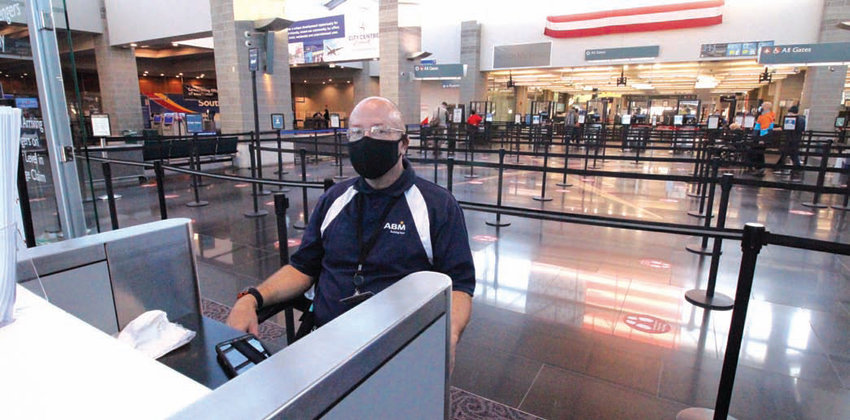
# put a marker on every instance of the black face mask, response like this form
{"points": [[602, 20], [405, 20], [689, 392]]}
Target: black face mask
{"points": [[373, 158]]}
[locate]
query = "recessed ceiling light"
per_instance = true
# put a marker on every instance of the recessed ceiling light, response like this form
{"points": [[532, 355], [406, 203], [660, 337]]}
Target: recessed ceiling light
{"points": [[162, 74], [305, 81], [330, 80], [174, 44], [179, 74], [134, 45]]}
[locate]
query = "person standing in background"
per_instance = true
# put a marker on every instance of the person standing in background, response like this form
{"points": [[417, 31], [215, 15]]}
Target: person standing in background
{"points": [[327, 116], [761, 135], [439, 123]]}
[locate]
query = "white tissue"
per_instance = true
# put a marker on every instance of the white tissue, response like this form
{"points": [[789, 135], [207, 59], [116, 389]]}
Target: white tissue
{"points": [[152, 334]]}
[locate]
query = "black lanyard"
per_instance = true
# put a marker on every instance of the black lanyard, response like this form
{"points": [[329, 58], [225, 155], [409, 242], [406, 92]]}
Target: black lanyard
{"points": [[359, 280]]}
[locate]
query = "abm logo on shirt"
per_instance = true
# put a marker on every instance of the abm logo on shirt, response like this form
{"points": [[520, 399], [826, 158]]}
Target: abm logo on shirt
{"points": [[396, 228]]}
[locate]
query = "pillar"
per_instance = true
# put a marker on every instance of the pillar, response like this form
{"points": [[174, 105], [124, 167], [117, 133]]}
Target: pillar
{"points": [[118, 76], [396, 44], [364, 84], [274, 91], [473, 86], [823, 87]]}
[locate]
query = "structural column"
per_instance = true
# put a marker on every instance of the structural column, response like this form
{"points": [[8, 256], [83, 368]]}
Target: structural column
{"points": [[396, 44], [274, 91], [118, 75], [364, 84], [473, 86], [822, 90]]}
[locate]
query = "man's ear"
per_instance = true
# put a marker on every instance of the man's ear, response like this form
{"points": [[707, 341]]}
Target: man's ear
{"points": [[405, 143]]}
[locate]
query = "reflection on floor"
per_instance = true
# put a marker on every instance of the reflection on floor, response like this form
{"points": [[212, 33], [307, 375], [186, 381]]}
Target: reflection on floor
{"points": [[575, 321]]}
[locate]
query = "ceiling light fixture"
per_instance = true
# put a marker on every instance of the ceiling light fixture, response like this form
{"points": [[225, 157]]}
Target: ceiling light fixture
{"points": [[175, 44], [134, 45]]}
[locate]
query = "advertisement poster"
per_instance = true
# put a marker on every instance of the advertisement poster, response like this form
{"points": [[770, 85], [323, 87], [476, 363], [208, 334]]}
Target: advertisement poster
{"points": [[348, 32]]}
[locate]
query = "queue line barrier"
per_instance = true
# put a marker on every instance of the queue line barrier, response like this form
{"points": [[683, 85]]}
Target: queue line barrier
{"points": [[753, 238]]}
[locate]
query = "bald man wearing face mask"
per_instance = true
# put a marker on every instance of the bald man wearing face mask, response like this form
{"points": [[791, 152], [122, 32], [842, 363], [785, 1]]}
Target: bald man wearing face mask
{"points": [[370, 231]]}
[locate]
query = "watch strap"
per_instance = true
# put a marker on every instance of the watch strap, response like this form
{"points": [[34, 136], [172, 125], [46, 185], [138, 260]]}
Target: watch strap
{"points": [[253, 292]]}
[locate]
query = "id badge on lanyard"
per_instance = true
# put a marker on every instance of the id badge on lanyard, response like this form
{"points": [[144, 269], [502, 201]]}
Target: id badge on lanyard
{"points": [[358, 279]]}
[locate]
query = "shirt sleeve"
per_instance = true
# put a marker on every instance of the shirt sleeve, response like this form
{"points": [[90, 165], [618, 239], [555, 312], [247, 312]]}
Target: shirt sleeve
{"points": [[308, 258], [452, 255]]}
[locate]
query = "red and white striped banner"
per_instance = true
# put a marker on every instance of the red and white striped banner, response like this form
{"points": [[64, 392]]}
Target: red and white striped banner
{"points": [[689, 14]]}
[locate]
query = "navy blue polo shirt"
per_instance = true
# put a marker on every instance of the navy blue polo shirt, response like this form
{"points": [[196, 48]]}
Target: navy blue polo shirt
{"points": [[425, 230]]}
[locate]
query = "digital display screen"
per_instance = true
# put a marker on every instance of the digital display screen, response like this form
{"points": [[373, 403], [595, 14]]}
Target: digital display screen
{"points": [[678, 119], [168, 119], [157, 119], [713, 122]]}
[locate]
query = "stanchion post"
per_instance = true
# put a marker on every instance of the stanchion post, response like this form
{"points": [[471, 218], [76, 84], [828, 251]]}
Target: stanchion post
{"points": [[450, 171], [542, 196], [258, 150], [564, 182], [197, 202], [808, 149], [160, 189], [751, 244], [257, 212], [726, 189], [709, 209], [436, 156], [470, 148], [281, 204], [110, 195], [24, 198], [824, 162], [707, 298], [498, 223], [703, 191], [315, 148], [845, 206], [302, 153]]}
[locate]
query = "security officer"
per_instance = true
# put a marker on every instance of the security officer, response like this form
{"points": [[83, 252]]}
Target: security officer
{"points": [[368, 232]]}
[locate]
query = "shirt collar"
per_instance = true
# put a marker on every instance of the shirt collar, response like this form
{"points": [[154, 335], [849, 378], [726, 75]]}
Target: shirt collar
{"points": [[402, 184]]}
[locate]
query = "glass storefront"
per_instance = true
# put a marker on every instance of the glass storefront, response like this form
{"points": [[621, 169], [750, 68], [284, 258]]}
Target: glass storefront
{"points": [[31, 36]]}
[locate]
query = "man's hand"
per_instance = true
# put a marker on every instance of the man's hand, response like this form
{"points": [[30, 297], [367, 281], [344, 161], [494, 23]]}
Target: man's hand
{"points": [[461, 309], [243, 316], [452, 345]]}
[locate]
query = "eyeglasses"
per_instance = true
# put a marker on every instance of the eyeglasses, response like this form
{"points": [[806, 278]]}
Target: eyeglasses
{"points": [[380, 132]]}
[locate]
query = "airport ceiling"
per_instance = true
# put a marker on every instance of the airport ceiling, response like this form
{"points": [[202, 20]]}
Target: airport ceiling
{"points": [[720, 77]]}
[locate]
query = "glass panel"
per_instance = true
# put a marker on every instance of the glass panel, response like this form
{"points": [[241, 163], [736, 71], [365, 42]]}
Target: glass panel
{"points": [[19, 88]]}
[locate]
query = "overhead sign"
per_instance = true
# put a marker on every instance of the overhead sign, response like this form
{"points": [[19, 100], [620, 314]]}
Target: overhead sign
{"points": [[659, 16], [626, 53], [439, 71], [733, 49], [450, 85], [832, 52], [194, 123], [352, 35], [100, 125]]}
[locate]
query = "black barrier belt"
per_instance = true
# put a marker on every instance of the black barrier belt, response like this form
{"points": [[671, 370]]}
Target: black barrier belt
{"points": [[296, 184], [808, 244], [603, 221]]}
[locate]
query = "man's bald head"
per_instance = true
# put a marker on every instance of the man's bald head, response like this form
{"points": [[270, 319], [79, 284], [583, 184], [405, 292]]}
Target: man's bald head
{"points": [[376, 110], [767, 106]]}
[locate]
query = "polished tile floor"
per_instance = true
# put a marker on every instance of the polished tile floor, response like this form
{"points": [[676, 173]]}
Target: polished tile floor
{"points": [[574, 321]]}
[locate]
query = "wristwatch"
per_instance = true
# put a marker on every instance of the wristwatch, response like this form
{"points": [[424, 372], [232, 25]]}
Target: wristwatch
{"points": [[253, 292]]}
